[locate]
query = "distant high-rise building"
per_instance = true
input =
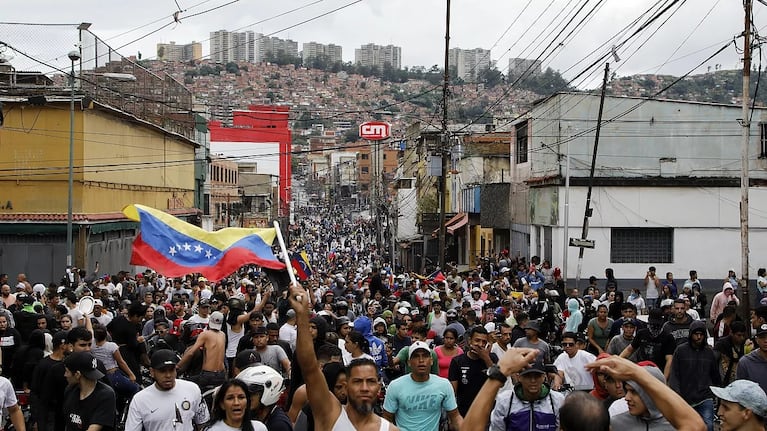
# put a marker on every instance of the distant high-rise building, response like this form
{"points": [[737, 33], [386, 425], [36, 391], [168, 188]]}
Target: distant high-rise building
{"points": [[313, 50], [274, 47], [518, 66], [469, 62], [376, 55], [172, 52], [228, 46]]}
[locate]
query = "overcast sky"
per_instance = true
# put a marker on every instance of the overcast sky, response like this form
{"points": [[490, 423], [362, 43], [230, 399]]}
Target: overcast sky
{"points": [[693, 33]]}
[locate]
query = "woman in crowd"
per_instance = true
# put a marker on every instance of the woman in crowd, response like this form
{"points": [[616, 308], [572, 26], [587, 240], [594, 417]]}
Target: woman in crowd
{"points": [[447, 351], [357, 345], [598, 330], [231, 409]]}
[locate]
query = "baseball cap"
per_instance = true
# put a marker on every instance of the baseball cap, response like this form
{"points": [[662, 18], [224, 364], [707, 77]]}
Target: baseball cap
{"points": [[403, 311], [164, 358], [418, 345], [290, 313], [631, 322], [761, 330], [98, 302], [746, 393], [204, 303], [247, 358], [533, 324], [655, 317], [536, 367], [216, 320], [85, 363], [261, 330], [59, 338]]}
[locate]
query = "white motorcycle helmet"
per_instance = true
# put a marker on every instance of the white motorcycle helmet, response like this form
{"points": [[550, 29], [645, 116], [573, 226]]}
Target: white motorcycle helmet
{"points": [[267, 379]]}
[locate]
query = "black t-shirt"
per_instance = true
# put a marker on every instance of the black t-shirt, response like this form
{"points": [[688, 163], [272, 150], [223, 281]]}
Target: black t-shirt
{"points": [[10, 341], [98, 408], [654, 349], [470, 375], [278, 421]]}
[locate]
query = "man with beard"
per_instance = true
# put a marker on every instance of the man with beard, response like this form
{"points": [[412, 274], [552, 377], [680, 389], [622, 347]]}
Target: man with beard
{"points": [[679, 325], [417, 399], [168, 404], [653, 344], [362, 381]]}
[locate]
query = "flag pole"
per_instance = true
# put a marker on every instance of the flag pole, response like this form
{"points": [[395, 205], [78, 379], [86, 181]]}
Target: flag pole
{"points": [[285, 254]]}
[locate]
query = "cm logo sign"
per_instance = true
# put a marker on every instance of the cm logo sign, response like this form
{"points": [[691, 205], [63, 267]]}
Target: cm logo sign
{"points": [[375, 130]]}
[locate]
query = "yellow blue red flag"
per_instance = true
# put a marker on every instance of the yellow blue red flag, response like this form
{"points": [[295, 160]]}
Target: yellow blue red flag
{"points": [[173, 247], [300, 262]]}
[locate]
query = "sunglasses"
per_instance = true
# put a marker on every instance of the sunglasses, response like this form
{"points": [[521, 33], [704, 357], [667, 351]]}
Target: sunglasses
{"points": [[568, 344]]}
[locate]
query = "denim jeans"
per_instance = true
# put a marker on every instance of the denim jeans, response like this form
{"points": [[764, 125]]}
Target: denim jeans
{"points": [[706, 410], [122, 384]]}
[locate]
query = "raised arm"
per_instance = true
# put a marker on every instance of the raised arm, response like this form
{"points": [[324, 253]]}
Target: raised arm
{"points": [[673, 407], [325, 406]]}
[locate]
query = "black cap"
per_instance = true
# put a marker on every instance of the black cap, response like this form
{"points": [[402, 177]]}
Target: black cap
{"points": [[246, 358], [85, 363], [164, 358]]}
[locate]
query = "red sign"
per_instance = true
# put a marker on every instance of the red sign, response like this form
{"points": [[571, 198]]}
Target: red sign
{"points": [[375, 130]]}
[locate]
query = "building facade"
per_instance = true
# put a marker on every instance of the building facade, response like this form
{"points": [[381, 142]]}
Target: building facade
{"points": [[372, 55], [172, 52], [666, 187], [312, 50], [469, 63], [520, 66], [273, 47]]}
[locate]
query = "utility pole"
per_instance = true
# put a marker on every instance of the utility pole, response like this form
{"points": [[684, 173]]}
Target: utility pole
{"points": [[445, 147], [588, 211], [744, 180]]}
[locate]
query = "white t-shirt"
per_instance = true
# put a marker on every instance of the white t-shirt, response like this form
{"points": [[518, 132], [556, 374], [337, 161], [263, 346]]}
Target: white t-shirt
{"points": [[156, 410], [221, 426], [575, 369], [289, 333], [7, 397]]}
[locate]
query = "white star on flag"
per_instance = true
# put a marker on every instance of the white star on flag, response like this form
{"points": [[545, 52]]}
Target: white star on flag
{"points": [[187, 247], [208, 254], [198, 248], [172, 251]]}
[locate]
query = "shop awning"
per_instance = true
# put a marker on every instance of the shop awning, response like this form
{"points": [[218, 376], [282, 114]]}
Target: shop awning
{"points": [[461, 218], [459, 224]]}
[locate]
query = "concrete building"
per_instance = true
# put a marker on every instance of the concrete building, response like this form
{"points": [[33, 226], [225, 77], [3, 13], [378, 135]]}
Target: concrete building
{"points": [[275, 47], [371, 55], [124, 152], [228, 46], [469, 63], [332, 53], [172, 52], [518, 66], [666, 185]]}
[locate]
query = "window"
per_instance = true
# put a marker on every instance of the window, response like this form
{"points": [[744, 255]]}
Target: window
{"points": [[521, 141], [365, 156], [365, 170], [763, 140], [642, 245]]}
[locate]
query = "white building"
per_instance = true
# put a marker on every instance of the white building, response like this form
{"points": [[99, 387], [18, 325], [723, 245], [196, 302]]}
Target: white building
{"points": [[311, 50], [371, 55], [228, 46], [666, 188], [275, 47], [519, 66], [469, 63]]}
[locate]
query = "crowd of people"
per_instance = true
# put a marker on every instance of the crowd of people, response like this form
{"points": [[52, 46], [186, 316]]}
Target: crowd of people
{"points": [[362, 345]]}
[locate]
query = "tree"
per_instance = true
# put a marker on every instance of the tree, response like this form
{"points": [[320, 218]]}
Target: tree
{"points": [[490, 76], [232, 67]]}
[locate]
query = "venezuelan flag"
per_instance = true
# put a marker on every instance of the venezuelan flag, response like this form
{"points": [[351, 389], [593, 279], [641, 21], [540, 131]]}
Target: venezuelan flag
{"points": [[174, 247], [300, 262]]}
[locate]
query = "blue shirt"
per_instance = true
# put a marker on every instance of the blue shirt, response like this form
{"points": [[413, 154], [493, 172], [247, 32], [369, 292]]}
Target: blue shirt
{"points": [[417, 406]]}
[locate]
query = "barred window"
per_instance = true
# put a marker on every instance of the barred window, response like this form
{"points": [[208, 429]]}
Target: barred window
{"points": [[521, 147], [763, 140], [642, 245]]}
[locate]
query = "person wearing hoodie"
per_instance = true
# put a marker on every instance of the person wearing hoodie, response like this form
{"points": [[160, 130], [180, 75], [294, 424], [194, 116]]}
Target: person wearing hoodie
{"points": [[721, 300], [754, 365], [573, 321], [693, 369], [652, 405], [364, 325]]}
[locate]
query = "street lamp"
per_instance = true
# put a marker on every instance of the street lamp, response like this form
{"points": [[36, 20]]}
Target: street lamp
{"points": [[73, 57]]}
